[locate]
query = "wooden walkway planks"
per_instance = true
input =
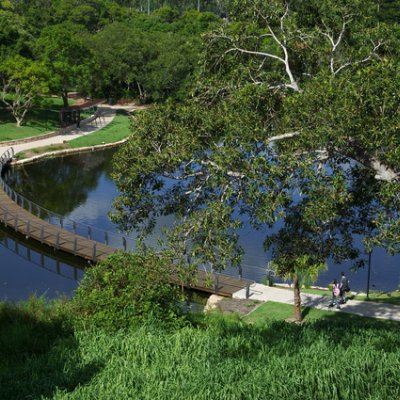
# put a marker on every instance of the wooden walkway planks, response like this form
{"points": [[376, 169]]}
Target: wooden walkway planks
{"points": [[225, 285], [24, 222], [33, 227]]}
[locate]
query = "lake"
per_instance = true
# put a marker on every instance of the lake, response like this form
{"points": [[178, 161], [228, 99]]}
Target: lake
{"points": [[79, 187]]}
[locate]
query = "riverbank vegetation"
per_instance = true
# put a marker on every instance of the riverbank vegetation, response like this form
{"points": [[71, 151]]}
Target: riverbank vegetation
{"points": [[236, 126]]}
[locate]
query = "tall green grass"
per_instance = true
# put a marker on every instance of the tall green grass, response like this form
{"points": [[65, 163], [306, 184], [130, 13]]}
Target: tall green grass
{"points": [[236, 361], [331, 357]]}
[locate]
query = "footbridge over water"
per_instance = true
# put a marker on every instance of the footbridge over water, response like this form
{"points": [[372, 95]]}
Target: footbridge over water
{"points": [[83, 241]]}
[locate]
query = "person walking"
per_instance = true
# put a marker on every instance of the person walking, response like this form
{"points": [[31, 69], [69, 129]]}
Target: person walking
{"points": [[344, 287], [335, 294]]}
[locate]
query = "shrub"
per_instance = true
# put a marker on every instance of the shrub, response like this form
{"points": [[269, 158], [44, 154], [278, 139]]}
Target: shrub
{"points": [[127, 288]]}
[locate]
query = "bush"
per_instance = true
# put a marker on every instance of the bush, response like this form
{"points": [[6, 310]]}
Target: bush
{"points": [[127, 288]]}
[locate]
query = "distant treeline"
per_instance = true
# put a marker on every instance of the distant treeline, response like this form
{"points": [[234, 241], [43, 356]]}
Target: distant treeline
{"points": [[147, 50]]}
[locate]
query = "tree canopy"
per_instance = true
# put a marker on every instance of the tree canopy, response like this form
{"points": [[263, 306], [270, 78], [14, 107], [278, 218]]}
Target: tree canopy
{"points": [[107, 49], [294, 116]]}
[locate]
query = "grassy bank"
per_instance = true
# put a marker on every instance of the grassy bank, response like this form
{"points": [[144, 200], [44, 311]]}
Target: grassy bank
{"points": [[117, 130], [330, 356]]}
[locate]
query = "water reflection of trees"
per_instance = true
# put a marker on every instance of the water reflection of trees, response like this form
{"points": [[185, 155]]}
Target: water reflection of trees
{"points": [[61, 184]]}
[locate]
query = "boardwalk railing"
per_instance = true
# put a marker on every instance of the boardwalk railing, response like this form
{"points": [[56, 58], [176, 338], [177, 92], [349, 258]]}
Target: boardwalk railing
{"points": [[91, 233], [5, 158], [79, 239]]}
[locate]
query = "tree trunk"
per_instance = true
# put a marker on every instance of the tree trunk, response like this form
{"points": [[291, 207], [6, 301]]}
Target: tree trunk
{"points": [[142, 94], [297, 299], [65, 98]]}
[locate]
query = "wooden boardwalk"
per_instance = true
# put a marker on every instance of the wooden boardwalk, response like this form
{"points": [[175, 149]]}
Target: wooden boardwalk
{"points": [[16, 217], [27, 224]]}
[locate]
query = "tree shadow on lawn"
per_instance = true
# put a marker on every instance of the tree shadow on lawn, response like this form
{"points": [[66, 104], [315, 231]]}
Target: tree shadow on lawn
{"points": [[38, 356], [334, 331], [36, 118]]}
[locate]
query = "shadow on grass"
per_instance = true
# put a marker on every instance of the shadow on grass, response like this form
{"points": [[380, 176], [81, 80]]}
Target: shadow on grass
{"points": [[38, 354], [331, 332]]}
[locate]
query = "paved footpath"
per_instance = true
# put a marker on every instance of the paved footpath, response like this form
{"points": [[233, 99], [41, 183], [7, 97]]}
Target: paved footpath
{"points": [[87, 126], [363, 308]]}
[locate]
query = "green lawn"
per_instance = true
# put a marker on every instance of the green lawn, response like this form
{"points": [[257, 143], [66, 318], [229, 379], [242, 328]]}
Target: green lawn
{"points": [[37, 121], [117, 130]]}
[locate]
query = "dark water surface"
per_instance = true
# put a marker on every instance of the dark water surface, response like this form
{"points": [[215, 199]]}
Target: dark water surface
{"points": [[79, 187]]}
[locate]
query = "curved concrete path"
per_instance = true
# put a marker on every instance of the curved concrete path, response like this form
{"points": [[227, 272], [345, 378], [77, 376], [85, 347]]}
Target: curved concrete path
{"points": [[362, 308], [87, 126]]}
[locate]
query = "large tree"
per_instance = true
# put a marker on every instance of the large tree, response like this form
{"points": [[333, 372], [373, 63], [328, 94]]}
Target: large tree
{"points": [[294, 116], [62, 49], [23, 83]]}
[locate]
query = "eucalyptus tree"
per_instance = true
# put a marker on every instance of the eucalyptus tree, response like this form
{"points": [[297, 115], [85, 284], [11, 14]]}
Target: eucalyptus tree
{"points": [[23, 83], [294, 116]]}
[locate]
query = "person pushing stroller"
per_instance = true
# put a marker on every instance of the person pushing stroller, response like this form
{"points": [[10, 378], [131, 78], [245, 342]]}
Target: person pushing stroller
{"points": [[344, 287]]}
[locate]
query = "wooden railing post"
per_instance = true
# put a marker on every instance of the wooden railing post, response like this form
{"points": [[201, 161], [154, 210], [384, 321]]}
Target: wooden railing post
{"points": [[94, 252], [216, 284]]}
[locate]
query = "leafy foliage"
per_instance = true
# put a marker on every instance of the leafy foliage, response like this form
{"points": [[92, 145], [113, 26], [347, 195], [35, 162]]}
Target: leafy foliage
{"points": [[126, 288], [23, 83], [285, 122]]}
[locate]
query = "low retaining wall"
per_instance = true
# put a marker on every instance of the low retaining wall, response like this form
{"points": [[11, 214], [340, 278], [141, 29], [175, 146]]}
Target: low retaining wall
{"points": [[58, 153], [29, 139]]}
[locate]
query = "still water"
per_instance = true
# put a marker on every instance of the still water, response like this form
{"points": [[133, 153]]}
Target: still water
{"points": [[79, 187]]}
